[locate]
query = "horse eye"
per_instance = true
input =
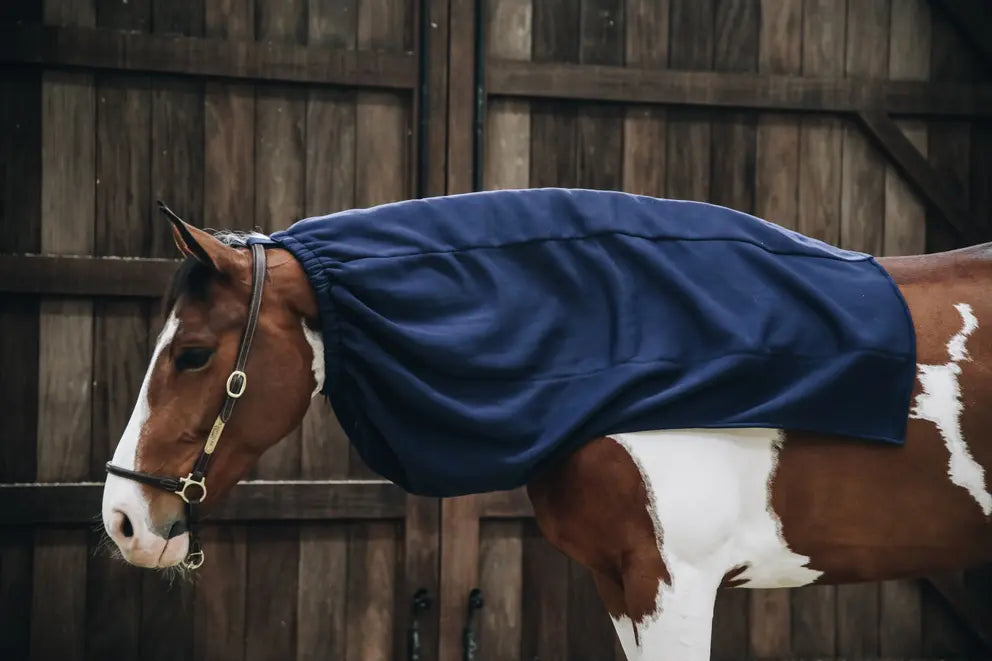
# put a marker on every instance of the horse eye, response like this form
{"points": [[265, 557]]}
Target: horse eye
{"points": [[193, 358]]}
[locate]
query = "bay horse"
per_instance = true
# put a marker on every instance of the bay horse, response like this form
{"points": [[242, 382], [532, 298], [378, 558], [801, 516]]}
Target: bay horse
{"points": [[662, 519]]}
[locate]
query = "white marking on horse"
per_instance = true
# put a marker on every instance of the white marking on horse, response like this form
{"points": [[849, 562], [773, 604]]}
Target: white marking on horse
{"points": [[709, 496], [940, 403], [316, 342], [118, 490]]}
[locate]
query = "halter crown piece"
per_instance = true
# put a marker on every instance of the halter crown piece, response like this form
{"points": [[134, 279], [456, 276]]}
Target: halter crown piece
{"points": [[193, 488]]}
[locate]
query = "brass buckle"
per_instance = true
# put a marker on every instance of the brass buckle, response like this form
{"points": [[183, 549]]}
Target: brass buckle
{"points": [[244, 383], [194, 560], [186, 483]]}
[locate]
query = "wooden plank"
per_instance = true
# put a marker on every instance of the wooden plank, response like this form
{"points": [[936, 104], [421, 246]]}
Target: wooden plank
{"points": [[820, 147], [905, 214], [645, 127], [976, 613], [911, 164], [228, 171], [120, 333], [65, 361], [507, 153], [691, 47], [96, 48], [505, 505], [253, 500], [501, 582], [371, 585], [20, 231], [733, 90], [461, 96], [422, 569], [545, 576], [70, 275], [433, 165], [329, 186]]}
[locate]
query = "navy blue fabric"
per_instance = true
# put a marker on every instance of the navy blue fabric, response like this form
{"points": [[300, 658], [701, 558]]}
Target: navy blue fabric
{"points": [[471, 339]]}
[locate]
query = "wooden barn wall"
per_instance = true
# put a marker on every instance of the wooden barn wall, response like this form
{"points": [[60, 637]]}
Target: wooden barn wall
{"points": [[84, 155], [815, 173]]}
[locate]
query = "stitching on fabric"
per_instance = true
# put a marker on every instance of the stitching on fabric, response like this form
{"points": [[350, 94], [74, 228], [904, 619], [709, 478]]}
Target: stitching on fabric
{"points": [[664, 361], [654, 239]]}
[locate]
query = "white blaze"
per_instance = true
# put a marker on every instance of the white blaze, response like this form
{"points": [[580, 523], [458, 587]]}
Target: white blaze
{"points": [[119, 491], [316, 342], [940, 403]]}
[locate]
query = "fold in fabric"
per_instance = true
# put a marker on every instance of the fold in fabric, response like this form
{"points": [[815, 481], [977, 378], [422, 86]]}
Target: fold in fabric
{"points": [[472, 339]]}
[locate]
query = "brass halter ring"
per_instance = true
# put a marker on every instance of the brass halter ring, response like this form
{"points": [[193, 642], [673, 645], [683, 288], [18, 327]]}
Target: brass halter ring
{"points": [[190, 481], [194, 560]]}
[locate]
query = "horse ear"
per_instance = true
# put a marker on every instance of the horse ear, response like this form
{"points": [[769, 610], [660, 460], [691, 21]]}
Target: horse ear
{"points": [[198, 244]]}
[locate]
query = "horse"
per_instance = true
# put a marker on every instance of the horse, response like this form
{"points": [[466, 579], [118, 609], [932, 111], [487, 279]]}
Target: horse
{"points": [[663, 519]]}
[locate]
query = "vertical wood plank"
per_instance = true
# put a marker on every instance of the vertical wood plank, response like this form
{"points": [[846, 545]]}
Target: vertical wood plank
{"points": [[120, 347], [501, 581], [824, 31], [691, 46], [553, 124], [330, 186], [862, 227], [271, 617], [776, 183], [545, 576], [20, 232], [65, 361], [508, 122], [460, 571], [645, 127], [228, 202]]}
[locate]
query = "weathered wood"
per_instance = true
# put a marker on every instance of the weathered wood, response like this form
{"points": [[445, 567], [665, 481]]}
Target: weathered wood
{"points": [[65, 361], [461, 96], [733, 90], [120, 333], [910, 163], [507, 153], [371, 586], [69, 275], [501, 582], [545, 632], [976, 613], [645, 127], [433, 163], [505, 505], [101, 48], [252, 500], [20, 231], [460, 560]]}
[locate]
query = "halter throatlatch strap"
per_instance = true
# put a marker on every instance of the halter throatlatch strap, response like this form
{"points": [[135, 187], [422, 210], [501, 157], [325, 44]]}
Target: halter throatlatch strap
{"points": [[193, 488]]}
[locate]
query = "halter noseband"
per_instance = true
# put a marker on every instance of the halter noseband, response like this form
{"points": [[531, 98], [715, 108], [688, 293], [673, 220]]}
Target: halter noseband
{"points": [[193, 488]]}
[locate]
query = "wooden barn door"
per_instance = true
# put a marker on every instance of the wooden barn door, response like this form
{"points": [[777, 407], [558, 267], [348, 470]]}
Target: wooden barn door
{"points": [[670, 98], [242, 115]]}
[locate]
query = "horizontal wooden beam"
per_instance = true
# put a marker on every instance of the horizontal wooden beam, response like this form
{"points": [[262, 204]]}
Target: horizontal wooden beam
{"points": [[733, 90], [85, 276], [101, 48], [920, 175], [258, 500], [974, 612], [505, 505]]}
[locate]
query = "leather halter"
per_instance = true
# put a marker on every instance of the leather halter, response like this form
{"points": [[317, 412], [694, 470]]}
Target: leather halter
{"points": [[193, 488]]}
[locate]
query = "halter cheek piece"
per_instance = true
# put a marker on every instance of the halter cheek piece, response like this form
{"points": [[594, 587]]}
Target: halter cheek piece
{"points": [[193, 488]]}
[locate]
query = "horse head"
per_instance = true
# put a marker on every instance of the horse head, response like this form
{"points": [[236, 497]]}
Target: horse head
{"points": [[189, 380]]}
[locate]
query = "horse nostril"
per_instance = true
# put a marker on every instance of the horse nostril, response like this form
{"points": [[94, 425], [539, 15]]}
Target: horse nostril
{"points": [[178, 528], [126, 528]]}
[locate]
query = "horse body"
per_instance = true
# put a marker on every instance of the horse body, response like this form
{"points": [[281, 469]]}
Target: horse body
{"points": [[762, 508], [662, 519]]}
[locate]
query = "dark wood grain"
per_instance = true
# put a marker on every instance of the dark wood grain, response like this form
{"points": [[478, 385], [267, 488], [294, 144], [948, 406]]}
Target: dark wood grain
{"points": [[69, 275], [20, 231], [95, 48], [254, 500], [545, 632], [973, 19], [501, 582], [645, 127], [733, 90], [461, 96]]}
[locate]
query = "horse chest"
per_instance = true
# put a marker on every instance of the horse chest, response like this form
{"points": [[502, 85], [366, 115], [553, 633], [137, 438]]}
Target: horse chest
{"points": [[709, 492]]}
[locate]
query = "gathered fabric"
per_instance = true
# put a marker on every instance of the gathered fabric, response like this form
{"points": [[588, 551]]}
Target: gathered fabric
{"points": [[472, 339]]}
